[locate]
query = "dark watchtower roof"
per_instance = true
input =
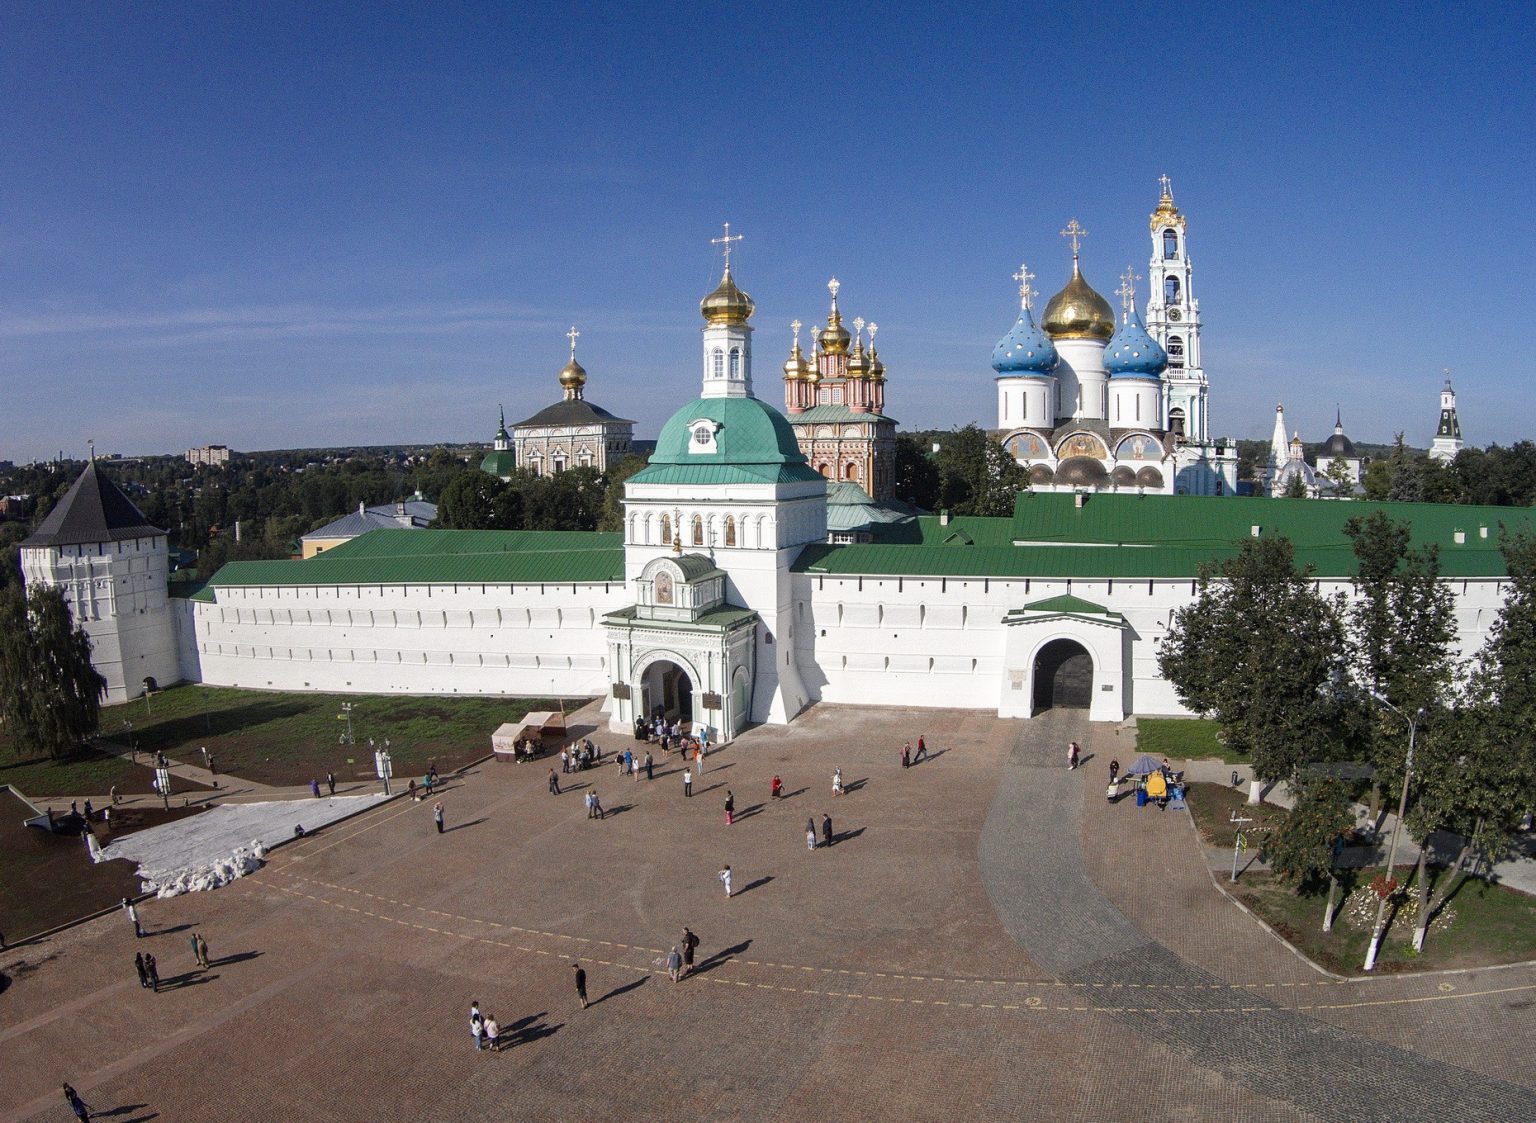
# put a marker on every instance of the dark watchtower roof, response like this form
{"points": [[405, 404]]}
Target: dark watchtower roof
{"points": [[94, 509]]}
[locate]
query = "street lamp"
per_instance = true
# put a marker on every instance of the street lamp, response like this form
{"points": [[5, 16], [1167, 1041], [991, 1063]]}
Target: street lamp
{"points": [[1402, 810]]}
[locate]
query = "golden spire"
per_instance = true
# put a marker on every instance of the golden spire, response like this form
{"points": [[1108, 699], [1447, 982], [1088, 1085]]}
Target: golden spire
{"points": [[834, 337], [1166, 214], [573, 376], [727, 304]]}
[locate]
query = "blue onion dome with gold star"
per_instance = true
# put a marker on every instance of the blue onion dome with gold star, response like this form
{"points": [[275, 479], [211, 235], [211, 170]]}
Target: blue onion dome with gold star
{"points": [[1077, 312], [1132, 352], [1025, 350]]}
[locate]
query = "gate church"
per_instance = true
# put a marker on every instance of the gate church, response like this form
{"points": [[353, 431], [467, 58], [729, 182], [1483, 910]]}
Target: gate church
{"points": [[722, 601]]}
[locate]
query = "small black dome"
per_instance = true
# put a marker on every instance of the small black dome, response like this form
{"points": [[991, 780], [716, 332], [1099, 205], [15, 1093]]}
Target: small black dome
{"points": [[1339, 447]]}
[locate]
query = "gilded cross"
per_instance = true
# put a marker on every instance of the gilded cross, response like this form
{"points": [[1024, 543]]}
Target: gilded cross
{"points": [[1076, 233], [1167, 185], [873, 327], [858, 327], [795, 326], [1026, 291], [726, 242], [1127, 290], [572, 336]]}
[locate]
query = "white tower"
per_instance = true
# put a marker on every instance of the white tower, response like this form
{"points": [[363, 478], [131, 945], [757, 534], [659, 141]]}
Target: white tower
{"points": [[1173, 318], [1448, 433], [1279, 449], [111, 565], [727, 335]]}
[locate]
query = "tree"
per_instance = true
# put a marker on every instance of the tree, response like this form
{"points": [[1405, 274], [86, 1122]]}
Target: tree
{"points": [[1295, 488], [50, 695], [1253, 650], [612, 517], [917, 476], [470, 502], [977, 476], [1305, 847], [1340, 477]]}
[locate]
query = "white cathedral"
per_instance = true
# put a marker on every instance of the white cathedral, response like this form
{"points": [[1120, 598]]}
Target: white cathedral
{"points": [[724, 603]]}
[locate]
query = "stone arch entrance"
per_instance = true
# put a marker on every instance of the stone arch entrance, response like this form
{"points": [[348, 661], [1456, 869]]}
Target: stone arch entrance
{"points": [[1063, 676], [668, 686]]}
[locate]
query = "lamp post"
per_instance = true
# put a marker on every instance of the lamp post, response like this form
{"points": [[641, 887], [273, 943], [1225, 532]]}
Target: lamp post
{"points": [[1402, 810]]}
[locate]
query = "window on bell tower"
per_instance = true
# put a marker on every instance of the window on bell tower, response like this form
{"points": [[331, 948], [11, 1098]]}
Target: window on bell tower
{"points": [[1170, 244], [719, 366], [735, 363], [1175, 351], [1171, 290]]}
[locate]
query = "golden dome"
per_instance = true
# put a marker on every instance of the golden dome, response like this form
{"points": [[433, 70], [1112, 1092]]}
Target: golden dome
{"points": [[727, 304], [876, 367], [573, 375], [1077, 312], [834, 338], [795, 367], [858, 362]]}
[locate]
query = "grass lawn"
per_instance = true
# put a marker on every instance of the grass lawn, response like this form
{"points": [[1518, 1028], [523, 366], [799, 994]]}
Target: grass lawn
{"points": [[88, 772], [1493, 924], [289, 738], [1212, 806], [1183, 738]]}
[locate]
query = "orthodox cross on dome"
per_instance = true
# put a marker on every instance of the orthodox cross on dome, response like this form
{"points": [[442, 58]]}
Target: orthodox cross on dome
{"points": [[1127, 291], [1167, 185], [832, 286], [1026, 291], [572, 335], [795, 326], [1447, 372], [858, 327], [1076, 233], [726, 241], [873, 327]]}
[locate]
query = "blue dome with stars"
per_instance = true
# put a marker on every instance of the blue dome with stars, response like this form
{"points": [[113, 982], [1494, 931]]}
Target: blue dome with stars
{"points": [[1133, 353], [1025, 349]]}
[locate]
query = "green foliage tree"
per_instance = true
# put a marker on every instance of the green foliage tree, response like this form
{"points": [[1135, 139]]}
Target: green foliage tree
{"points": [[470, 502], [612, 516], [917, 476], [50, 695], [1304, 848], [1295, 488], [1339, 478], [1252, 651], [977, 476]]}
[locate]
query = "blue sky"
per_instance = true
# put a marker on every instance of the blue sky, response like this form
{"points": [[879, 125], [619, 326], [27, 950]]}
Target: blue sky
{"points": [[279, 225]]}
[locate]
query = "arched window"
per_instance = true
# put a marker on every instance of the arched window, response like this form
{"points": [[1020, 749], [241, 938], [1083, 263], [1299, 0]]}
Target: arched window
{"points": [[649, 526], [850, 471], [666, 529], [1171, 290], [825, 469], [1170, 244], [698, 530], [730, 530], [719, 363], [1175, 351], [735, 362]]}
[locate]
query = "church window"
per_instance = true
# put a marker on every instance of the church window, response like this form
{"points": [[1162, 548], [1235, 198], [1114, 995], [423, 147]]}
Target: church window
{"points": [[559, 464], [1170, 244], [825, 469], [851, 471], [1171, 290], [698, 530], [719, 361], [735, 362], [1138, 407], [1175, 351], [1117, 409], [666, 529], [730, 530]]}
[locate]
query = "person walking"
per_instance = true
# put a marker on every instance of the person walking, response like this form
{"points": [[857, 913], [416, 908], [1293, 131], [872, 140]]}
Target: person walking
{"points": [[581, 984], [690, 945], [565, 761], [837, 781], [477, 1025], [1114, 771], [587, 799], [597, 806], [554, 783], [437, 816], [1072, 752], [725, 879], [202, 951], [826, 828], [698, 760], [687, 782], [427, 781], [153, 971], [650, 766], [81, 1109], [906, 755], [330, 782], [192, 939], [314, 787], [810, 834], [674, 963], [776, 789], [730, 807], [88, 811], [492, 1034], [113, 796], [133, 914], [922, 748], [138, 965]]}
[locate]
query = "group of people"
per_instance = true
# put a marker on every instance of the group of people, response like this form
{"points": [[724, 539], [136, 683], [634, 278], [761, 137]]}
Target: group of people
{"points": [[670, 735], [579, 756], [485, 1028], [909, 758]]}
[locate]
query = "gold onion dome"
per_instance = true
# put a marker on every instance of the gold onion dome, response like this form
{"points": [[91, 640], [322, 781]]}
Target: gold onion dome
{"points": [[1077, 312], [795, 367], [573, 375], [858, 362], [727, 304], [876, 367]]}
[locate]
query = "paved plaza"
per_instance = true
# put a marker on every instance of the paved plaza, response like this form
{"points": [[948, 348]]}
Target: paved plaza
{"points": [[987, 939]]}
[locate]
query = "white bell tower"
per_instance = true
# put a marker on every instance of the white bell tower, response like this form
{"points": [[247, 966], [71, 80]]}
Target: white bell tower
{"points": [[1173, 318], [727, 335]]}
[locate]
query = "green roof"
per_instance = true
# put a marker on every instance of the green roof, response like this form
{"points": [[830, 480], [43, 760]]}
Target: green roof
{"points": [[1068, 604], [835, 415], [748, 434], [725, 474], [500, 463], [445, 557], [725, 617]]}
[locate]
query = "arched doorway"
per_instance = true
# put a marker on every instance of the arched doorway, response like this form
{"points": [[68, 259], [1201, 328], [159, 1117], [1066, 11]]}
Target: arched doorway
{"points": [[667, 687], [1063, 676]]}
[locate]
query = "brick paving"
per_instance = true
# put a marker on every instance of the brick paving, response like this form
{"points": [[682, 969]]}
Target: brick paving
{"points": [[880, 978]]}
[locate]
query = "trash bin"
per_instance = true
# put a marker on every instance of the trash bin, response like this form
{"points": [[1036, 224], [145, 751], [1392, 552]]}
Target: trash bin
{"points": [[1141, 797]]}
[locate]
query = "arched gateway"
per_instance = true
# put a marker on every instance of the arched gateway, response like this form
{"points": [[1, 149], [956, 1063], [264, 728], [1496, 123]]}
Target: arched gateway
{"points": [[1063, 676], [667, 690]]}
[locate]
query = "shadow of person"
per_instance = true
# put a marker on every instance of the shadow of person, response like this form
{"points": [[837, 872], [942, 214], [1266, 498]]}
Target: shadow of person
{"points": [[189, 979], [126, 1109], [751, 885], [797, 791], [617, 809], [855, 785], [748, 812], [239, 957], [843, 836], [934, 755], [721, 957], [625, 989], [465, 826]]}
